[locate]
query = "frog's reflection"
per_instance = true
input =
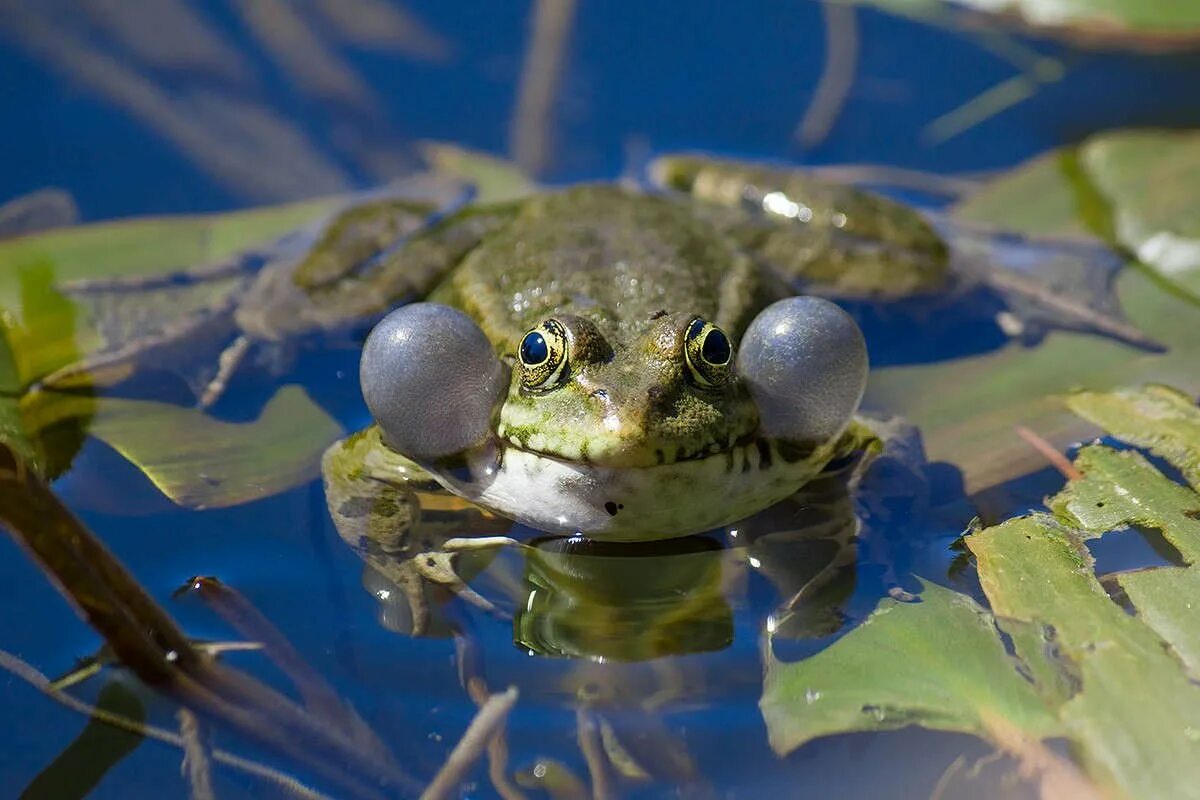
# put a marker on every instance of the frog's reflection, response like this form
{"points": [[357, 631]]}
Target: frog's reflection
{"points": [[624, 602], [606, 601]]}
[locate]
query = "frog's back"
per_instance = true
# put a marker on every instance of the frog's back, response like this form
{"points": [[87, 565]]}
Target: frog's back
{"points": [[613, 255]]}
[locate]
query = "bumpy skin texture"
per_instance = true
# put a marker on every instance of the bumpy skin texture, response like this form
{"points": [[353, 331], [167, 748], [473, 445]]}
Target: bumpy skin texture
{"points": [[626, 273]]}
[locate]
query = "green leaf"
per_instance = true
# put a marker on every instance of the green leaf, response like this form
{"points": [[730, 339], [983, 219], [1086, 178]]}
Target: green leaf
{"points": [[48, 449], [1162, 419], [938, 663], [1035, 198], [201, 462], [495, 179], [1121, 488], [1149, 179], [151, 246], [1135, 716], [1168, 599]]}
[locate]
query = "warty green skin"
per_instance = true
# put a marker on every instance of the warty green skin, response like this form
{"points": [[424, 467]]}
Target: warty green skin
{"points": [[629, 445], [625, 273]]}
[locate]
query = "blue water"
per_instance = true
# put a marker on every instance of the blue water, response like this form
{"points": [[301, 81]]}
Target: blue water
{"points": [[731, 78]]}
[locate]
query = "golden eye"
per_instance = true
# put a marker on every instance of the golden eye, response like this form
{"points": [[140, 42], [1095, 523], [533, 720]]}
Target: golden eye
{"points": [[708, 353], [543, 355]]}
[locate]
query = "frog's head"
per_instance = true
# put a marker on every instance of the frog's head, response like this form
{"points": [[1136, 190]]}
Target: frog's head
{"points": [[581, 427]]}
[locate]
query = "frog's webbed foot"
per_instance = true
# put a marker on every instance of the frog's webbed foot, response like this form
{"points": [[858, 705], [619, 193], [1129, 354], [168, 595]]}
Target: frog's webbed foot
{"points": [[438, 567], [89, 666], [185, 343], [375, 497], [1046, 283]]}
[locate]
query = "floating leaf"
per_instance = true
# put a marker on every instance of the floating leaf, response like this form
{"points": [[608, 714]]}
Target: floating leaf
{"points": [[1149, 180], [1036, 570], [938, 663], [1034, 198], [202, 462], [1078, 665], [1134, 718], [1168, 599], [1122, 488], [152, 246], [1162, 419], [495, 179], [1134, 188], [48, 449]]}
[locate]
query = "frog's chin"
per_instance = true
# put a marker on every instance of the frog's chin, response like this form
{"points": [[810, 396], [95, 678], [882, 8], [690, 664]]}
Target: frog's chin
{"points": [[633, 504]]}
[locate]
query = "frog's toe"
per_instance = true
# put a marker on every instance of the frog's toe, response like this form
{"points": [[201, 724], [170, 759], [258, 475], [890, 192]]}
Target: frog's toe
{"points": [[431, 380], [805, 363]]}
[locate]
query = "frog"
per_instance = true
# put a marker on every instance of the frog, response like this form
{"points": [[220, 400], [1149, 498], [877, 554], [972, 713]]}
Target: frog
{"points": [[606, 362], [633, 364]]}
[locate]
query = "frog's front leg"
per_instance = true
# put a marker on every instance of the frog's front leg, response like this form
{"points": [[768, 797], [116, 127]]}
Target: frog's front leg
{"points": [[410, 532], [829, 238]]}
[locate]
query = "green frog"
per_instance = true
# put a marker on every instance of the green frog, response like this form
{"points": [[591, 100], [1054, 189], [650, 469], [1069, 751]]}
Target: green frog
{"points": [[632, 364], [607, 361]]}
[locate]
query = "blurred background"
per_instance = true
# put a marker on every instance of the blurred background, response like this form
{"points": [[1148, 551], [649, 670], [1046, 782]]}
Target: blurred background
{"points": [[177, 106]]}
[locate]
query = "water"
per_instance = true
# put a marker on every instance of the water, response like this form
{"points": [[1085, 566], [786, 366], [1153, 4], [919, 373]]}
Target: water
{"points": [[718, 77]]}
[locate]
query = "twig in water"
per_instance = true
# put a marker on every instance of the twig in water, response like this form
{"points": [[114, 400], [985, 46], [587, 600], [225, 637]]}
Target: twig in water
{"points": [[37, 680], [318, 696], [1057, 459], [146, 640], [470, 675], [943, 781], [837, 76], [532, 119], [196, 764], [886, 176], [487, 721], [592, 748]]}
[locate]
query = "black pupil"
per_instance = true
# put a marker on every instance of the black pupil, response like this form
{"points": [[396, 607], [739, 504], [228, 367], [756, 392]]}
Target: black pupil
{"points": [[533, 349], [716, 347]]}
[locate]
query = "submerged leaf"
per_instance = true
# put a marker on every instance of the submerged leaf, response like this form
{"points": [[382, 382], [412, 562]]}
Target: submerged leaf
{"points": [[1149, 180], [495, 179], [938, 663], [201, 462], [124, 249]]}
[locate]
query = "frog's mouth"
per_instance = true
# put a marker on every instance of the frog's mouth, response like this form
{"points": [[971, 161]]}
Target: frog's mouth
{"points": [[734, 448], [737, 452], [700, 492]]}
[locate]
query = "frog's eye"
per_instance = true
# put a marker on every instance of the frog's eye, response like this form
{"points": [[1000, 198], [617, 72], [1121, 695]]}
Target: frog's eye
{"points": [[543, 355], [708, 353]]}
